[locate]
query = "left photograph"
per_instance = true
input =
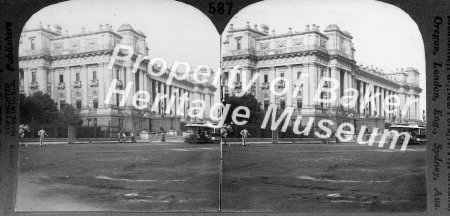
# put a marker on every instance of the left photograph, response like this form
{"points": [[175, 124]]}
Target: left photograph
{"points": [[117, 108]]}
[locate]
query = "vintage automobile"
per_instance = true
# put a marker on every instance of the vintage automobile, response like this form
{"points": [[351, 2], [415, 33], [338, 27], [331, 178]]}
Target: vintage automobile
{"points": [[417, 132], [201, 133]]}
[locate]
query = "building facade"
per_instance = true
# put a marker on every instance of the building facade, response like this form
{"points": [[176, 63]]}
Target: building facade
{"points": [[328, 53], [73, 70]]}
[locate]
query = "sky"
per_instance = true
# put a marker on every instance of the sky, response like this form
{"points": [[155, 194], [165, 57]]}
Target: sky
{"points": [[384, 35], [175, 31]]}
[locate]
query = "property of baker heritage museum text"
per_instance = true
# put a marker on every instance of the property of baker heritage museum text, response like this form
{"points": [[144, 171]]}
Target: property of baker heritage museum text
{"points": [[171, 116]]}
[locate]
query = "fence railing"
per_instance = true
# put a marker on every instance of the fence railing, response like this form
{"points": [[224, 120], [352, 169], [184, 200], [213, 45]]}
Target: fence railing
{"points": [[61, 131]]}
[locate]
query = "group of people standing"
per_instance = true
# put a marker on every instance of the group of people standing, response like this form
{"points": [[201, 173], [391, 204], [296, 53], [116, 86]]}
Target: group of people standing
{"points": [[122, 137]]}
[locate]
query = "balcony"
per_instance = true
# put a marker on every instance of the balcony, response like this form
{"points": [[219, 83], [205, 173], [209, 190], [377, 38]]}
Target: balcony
{"points": [[94, 83], [61, 85], [44, 51], [339, 52], [291, 50], [34, 85], [240, 52], [77, 84], [82, 49], [119, 84]]}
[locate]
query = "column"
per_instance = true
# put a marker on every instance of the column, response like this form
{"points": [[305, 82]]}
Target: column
{"points": [[335, 75], [129, 77], [271, 78], [157, 92], [367, 107], [168, 91], [351, 85], [84, 86], [306, 93], [409, 107], [26, 80], [175, 95], [40, 74], [68, 85], [402, 106], [145, 83], [418, 116], [361, 97], [257, 84], [104, 82], [186, 103], [388, 93], [346, 86], [383, 111], [290, 77], [355, 86], [377, 100], [208, 101], [55, 81]]}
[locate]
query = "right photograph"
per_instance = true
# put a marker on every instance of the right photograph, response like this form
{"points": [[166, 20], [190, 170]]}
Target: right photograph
{"points": [[324, 109]]}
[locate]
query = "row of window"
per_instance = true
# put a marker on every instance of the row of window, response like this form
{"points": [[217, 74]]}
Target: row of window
{"points": [[282, 104], [61, 76], [62, 103]]}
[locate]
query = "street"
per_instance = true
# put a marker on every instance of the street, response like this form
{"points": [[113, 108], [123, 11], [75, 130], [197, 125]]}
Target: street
{"points": [[119, 177], [323, 178], [175, 176]]}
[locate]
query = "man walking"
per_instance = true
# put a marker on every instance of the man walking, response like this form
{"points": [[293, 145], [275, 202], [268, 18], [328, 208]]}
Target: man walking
{"points": [[42, 135], [244, 134]]}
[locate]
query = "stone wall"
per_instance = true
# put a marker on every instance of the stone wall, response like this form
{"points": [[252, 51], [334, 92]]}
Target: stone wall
{"points": [[167, 123]]}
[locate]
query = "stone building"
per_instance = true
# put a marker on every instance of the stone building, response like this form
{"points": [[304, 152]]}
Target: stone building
{"points": [[73, 70], [327, 53]]}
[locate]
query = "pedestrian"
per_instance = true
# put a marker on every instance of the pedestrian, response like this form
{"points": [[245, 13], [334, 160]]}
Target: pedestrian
{"points": [[244, 134], [42, 135], [163, 136], [23, 129], [133, 140], [119, 136], [224, 133], [124, 137]]}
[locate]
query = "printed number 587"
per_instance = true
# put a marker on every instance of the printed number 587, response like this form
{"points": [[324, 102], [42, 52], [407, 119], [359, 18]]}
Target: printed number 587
{"points": [[220, 8]]}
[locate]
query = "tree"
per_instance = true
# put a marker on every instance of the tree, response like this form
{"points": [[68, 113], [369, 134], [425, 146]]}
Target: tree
{"points": [[38, 108], [248, 101], [69, 116]]}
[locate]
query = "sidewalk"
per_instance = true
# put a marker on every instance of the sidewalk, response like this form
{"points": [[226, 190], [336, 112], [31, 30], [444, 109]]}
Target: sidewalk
{"points": [[155, 139]]}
